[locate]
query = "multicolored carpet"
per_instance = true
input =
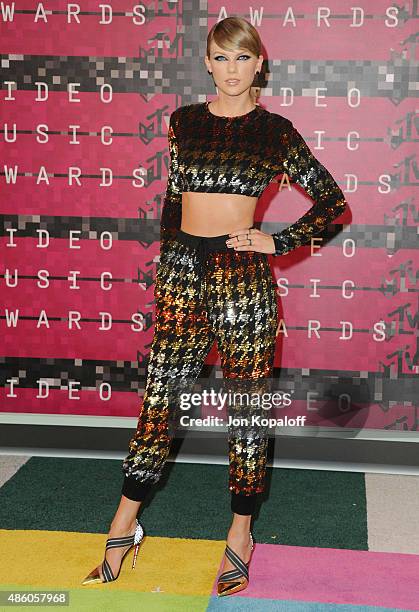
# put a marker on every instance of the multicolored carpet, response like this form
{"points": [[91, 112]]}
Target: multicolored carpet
{"points": [[325, 540]]}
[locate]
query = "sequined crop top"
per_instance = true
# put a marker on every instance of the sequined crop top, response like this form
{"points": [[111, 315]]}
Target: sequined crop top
{"points": [[242, 154]]}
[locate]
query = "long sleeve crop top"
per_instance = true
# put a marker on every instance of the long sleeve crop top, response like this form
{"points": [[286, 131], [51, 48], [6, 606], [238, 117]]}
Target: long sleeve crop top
{"points": [[242, 154]]}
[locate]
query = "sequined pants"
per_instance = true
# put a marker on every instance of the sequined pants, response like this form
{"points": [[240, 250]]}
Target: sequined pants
{"points": [[206, 292]]}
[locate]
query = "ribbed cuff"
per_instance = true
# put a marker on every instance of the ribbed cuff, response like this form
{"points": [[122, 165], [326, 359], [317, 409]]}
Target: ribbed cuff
{"points": [[243, 504], [135, 489]]}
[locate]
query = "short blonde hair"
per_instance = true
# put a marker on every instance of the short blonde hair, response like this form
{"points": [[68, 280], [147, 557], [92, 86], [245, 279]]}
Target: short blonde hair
{"points": [[234, 33]]}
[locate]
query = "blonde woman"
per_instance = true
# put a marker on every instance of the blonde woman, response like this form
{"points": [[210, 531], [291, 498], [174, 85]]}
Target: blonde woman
{"points": [[214, 281]]}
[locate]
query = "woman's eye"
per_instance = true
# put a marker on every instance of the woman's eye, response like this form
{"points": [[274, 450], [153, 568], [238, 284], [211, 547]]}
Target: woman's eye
{"points": [[218, 57]]}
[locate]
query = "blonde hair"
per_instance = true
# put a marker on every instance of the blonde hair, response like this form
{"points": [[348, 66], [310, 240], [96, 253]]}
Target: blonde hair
{"points": [[234, 33]]}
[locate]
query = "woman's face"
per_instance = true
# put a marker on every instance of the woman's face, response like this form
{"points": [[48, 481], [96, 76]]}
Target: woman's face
{"points": [[233, 71]]}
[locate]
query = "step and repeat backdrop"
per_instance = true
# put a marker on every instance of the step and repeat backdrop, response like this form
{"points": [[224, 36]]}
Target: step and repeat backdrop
{"points": [[86, 93]]}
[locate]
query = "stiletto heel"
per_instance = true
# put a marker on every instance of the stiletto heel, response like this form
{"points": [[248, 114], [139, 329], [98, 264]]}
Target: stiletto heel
{"points": [[233, 581], [134, 560], [132, 540]]}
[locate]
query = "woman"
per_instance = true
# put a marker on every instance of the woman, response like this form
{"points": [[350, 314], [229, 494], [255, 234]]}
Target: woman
{"points": [[217, 284]]}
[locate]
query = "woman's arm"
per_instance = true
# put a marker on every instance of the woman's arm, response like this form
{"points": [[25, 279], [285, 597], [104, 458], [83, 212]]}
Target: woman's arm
{"points": [[329, 202], [171, 214]]}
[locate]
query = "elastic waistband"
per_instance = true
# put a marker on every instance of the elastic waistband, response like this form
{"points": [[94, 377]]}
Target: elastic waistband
{"points": [[211, 243], [207, 243]]}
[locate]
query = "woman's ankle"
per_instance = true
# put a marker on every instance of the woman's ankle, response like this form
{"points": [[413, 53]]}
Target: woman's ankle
{"points": [[122, 526], [238, 534]]}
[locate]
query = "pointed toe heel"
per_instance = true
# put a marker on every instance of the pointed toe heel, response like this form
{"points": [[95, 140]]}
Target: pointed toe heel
{"points": [[132, 540], [235, 580]]}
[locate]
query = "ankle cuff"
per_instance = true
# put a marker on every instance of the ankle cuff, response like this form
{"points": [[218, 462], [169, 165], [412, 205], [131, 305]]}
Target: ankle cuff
{"points": [[243, 504], [134, 489]]}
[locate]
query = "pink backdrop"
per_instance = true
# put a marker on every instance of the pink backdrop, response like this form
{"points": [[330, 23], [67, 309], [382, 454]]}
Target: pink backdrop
{"points": [[89, 161]]}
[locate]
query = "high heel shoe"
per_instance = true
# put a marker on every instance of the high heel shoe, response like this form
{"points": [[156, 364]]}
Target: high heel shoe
{"points": [[132, 540], [237, 579]]}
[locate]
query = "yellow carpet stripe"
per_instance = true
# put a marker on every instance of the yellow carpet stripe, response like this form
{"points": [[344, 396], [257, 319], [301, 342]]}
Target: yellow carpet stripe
{"points": [[173, 566]]}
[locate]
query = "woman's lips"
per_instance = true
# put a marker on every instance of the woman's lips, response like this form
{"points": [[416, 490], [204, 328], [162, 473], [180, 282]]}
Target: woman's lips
{"points": [[232, 81]]}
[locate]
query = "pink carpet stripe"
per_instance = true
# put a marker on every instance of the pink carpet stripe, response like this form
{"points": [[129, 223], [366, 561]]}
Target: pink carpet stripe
{"points": [[330, 575]]}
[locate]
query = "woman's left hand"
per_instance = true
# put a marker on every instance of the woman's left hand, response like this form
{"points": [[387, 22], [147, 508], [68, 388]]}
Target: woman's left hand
{"points": [[239, 240]]}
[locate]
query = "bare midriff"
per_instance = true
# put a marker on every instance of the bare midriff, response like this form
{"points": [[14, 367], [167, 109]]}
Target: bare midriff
{"points": [[216, 214]]}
